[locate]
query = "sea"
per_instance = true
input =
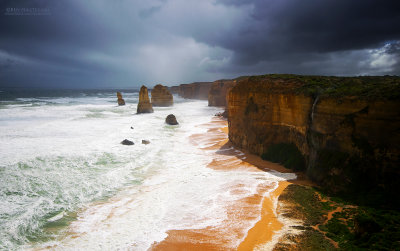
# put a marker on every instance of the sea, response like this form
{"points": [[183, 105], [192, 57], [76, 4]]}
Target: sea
{"points": [[67, 183]]}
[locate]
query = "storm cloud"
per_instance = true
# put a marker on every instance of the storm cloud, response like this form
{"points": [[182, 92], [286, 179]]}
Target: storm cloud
{"points": [[125, 43]]}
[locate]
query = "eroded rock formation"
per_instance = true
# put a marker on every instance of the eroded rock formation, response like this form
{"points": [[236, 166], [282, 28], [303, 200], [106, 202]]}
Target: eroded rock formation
{"points": [[144, 105], [174, 89], [217, 95], [197, 90], [347, 129], [120, 100], [160, 96]]}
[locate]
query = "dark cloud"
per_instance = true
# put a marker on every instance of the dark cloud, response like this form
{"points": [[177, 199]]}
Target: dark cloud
{"points": [[128, 43], [280, 28]]}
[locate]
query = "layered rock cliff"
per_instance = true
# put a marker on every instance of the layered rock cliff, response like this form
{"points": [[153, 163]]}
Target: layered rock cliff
{"points": [[160, 96], [217, 96], [196, 90], [343, 132], [144, 105]]}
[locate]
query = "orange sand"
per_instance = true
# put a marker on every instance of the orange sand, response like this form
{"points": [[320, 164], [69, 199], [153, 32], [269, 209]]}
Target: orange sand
{"points": [[264, 229], [226, 236]]}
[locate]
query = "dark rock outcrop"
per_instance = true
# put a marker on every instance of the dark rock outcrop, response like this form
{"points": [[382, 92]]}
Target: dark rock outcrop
{"points": [[120, 100], [171, 120], [144, 105], [127, 142], [160, 96], [346, 130], [218, 93]]}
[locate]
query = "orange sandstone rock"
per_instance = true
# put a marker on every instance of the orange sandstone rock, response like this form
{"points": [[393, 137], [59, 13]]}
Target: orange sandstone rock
{"points": [[160, 96], [144, 105], [120, 100], [217, 95], [341, 138]]}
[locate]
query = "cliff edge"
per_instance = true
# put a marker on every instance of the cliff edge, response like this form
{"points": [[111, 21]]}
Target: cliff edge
{"points": [[344, 132]]}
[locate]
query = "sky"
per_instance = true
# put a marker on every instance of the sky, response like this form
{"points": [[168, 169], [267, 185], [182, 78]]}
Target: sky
{"points": [[125, 44]]}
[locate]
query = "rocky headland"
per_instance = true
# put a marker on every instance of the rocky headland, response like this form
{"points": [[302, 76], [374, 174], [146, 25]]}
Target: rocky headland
{"points": [[196, 90], [144, 105], [160, 96], [342, 131], [218, 94]]}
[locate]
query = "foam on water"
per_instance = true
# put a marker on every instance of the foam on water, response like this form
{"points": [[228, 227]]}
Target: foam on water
{"points": [[64, 156]]}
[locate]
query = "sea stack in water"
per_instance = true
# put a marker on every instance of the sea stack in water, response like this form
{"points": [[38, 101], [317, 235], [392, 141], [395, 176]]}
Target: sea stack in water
{"points": [[144, 105], [171, 120], [160, 96], [121, 101]]}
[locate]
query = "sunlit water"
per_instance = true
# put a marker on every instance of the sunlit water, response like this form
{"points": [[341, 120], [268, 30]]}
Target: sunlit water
{"points": [[66, 182]]}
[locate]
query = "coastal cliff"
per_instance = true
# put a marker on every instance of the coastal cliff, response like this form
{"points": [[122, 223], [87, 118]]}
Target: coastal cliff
{"points": [[217, 96], [196, 90], [343, 132]]}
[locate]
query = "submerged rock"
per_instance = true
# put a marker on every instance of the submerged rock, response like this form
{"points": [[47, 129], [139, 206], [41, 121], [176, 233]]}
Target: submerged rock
{"points": [[171, 120], [145, 142], [160, 96], [144, 105], [222, 114], [127, 142], [120, 100]]}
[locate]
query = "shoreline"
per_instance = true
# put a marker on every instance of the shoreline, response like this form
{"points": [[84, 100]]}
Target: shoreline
{"points": [[266, 225]]}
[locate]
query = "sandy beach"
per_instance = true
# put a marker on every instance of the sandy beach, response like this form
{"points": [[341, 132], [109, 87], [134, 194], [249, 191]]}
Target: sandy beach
{"points": [[258, 211]]}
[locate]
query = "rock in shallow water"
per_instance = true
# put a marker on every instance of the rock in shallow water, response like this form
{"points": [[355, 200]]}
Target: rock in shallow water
{"points": [[171, 120], [127, 142]]}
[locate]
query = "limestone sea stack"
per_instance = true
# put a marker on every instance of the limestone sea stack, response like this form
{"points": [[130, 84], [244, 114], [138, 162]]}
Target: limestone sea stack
{"points": [[144, 105], [160, 96], [121, 101]]}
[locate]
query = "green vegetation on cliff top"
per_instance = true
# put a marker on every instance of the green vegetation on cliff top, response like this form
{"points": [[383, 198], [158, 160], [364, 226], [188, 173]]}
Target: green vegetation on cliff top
{"points": [[368, 87], [351, 227]]}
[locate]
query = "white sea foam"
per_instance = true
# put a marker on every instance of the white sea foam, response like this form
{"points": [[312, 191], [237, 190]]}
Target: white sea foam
{"points": [[66, 156]]}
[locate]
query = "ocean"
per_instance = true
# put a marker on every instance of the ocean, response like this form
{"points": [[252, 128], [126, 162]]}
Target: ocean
{"points": [[66, 182]]}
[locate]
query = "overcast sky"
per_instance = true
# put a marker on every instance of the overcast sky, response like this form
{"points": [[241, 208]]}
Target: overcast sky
{"points": [[121, 43]]}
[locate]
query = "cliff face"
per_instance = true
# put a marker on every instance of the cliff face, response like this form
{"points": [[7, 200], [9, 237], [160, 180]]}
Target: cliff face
{"points": [[144, 105], [160, 96], [174, 89], [197, 90], [344, 140], [217, 96]]}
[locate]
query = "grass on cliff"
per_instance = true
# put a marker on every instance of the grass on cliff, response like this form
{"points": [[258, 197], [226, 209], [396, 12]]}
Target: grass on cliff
{"points": [[286, 154], [354, 228], [366, 87]]}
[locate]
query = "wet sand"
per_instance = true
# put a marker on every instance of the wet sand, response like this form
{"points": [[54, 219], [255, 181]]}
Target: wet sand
{"points": [[259, 226]]}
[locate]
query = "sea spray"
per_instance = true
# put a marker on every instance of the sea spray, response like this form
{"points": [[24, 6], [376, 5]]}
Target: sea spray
{"points": [[66, 182]]}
